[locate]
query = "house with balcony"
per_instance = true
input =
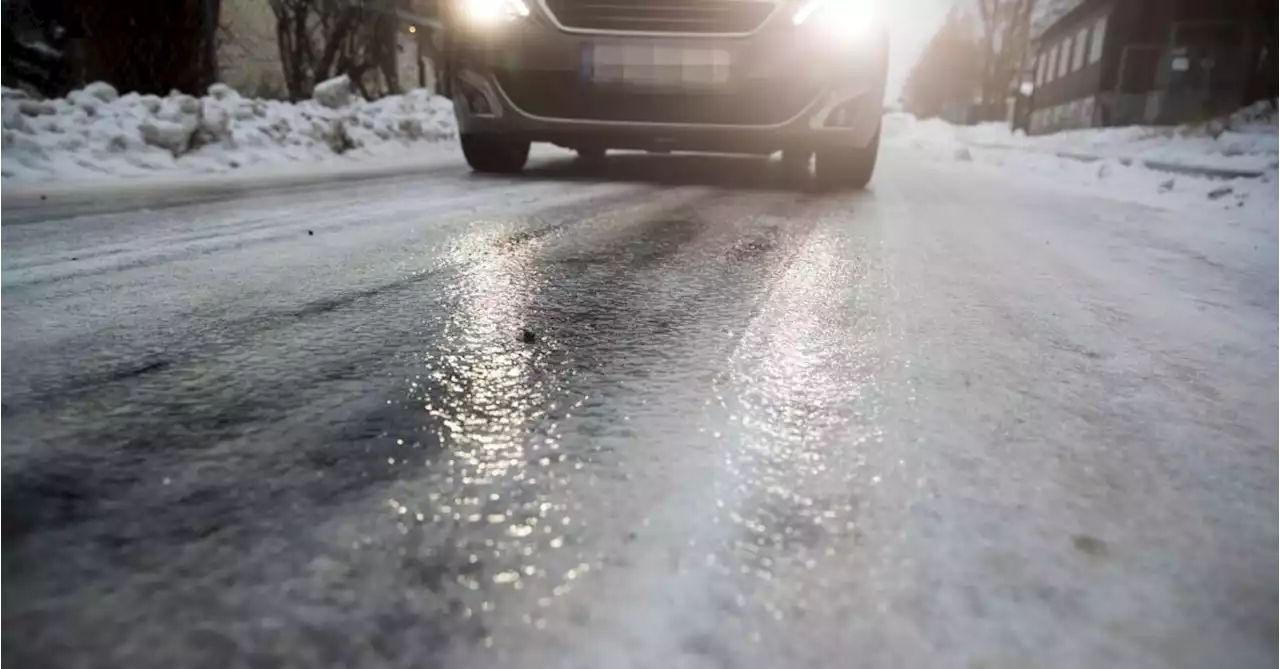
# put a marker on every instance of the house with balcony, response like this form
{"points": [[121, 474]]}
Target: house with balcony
{"points": [[1153, 62]]}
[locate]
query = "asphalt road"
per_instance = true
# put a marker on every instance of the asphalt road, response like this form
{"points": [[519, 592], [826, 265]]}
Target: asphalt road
{"points": [[666, 414]]}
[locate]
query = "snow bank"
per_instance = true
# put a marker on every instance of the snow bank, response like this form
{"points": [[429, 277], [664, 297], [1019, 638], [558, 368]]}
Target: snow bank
{"points": [[1244, 141], [97, 133], [1132, 163], [1186, 146]]}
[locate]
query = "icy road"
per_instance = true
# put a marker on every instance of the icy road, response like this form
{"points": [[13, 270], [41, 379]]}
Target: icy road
{"points": [[674, 417]]}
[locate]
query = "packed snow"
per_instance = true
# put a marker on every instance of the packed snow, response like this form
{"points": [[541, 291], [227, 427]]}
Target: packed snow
{"points": [[97, 133], [1228, 163], [1245, 141]]}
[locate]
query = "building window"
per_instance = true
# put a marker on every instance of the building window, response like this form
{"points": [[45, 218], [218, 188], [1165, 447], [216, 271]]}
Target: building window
{"points": [[1064, 58], [1095, 40], [1053, 64], [1041, 60], [1077, 58]]}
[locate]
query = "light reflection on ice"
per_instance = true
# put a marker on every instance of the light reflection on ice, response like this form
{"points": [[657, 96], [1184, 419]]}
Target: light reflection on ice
{"points": [[487, 393]]}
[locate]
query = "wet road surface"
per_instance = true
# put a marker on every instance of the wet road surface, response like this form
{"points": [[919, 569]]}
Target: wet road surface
{"points": [[678, 416]]}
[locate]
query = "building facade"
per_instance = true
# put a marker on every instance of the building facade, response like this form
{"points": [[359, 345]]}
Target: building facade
{"points": [[1124, 62]]}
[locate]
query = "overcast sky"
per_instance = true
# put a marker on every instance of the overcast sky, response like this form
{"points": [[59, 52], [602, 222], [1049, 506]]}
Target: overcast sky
{"points": [[911, 24]]}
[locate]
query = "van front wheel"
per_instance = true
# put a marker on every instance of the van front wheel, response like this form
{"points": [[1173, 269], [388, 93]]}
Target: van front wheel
{"points": [[495, 154], [847, 168]]}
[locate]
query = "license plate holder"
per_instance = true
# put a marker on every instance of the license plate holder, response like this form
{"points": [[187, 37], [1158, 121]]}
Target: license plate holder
{"points": [[655, 66]]}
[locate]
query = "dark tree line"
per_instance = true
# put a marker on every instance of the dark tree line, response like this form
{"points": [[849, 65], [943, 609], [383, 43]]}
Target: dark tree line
{"points": [[1006, 36], [150, 46], [948, 71], [155, 46], [974, 60]]}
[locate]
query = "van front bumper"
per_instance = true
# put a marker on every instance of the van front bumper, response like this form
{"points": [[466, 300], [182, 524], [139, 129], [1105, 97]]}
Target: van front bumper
{"points": [[784, 89]]}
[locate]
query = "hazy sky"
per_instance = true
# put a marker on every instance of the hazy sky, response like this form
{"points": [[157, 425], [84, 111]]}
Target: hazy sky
{"points": [[911, 24]]}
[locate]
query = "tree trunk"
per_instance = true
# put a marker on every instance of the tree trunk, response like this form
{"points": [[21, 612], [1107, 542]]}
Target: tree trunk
{"points": [[333, 41], [209, 37], [1262, 53]]}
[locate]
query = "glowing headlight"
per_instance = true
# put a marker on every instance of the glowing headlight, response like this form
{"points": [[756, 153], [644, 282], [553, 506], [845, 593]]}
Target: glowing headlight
{"points": [[850, 19], [489, 12]]}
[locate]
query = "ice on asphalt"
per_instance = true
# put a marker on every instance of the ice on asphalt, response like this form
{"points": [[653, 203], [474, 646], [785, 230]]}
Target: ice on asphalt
{"points": [[832, 339]]}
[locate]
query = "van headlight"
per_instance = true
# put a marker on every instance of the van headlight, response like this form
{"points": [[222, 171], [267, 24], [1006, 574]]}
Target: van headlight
{"points": [[493, 12], [843, 19]]}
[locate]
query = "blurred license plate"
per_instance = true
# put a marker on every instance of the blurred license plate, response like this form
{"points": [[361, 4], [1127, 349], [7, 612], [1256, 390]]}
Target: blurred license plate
{"points": [[655, 65]]}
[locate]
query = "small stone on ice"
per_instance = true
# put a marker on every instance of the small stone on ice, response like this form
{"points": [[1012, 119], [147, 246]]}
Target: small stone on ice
{"points": [[527, 336]]}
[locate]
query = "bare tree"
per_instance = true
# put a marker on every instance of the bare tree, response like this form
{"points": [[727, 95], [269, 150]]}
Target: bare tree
{"points": [[320, 39], [379, 37], [310, 32], [1006, 34], [947, 74]]}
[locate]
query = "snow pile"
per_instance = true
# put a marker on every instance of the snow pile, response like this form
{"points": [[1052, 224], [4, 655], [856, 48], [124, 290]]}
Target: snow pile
{"points": [[905, 130], [1163, 166], [1258, 118], [95, 132], [1191, 146], [1244, 141]]}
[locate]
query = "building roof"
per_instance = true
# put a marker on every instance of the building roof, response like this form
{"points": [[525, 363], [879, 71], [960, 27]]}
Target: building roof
{"points": [[1058, 13]]}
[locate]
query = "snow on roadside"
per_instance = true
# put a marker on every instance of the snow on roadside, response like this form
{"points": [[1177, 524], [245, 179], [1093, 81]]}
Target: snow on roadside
{"points": [[96, 134], [1246, 140], [1113, 162]]}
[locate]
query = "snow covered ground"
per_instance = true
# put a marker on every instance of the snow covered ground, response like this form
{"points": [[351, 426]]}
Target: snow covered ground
{"points": [[1152, 165], [96, 138], [97, 134], [1244, 141]]}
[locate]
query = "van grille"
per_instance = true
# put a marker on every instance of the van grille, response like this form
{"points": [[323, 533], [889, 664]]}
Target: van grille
{"points": [[662, 16], [561, 95]]}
